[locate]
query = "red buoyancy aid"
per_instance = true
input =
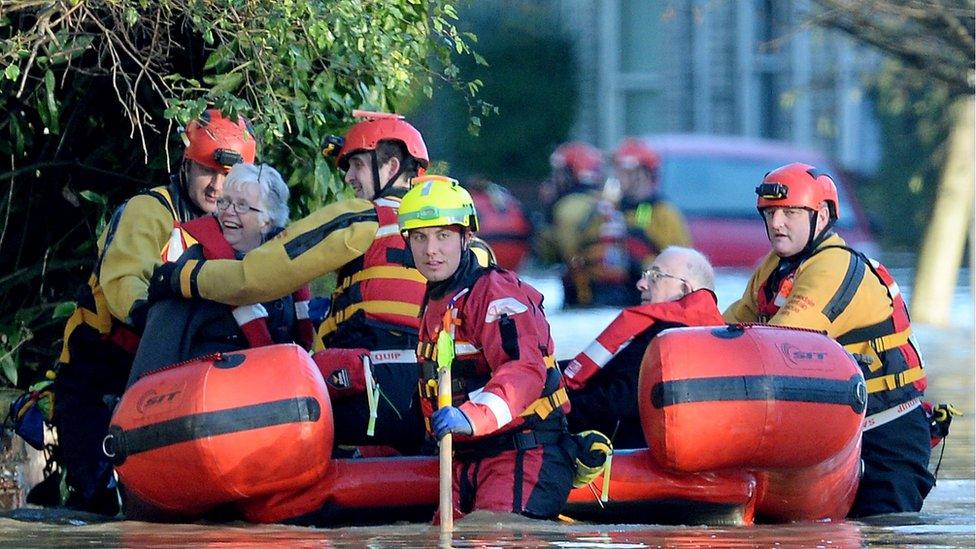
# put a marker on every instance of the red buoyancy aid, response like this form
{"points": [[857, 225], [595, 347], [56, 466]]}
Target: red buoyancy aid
{"points": [[891, 334], [698, 308], [382, 283], [605, 246], [252, 319], [502, 223]]}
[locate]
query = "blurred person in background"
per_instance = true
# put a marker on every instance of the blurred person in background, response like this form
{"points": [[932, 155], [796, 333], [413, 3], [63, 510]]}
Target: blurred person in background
{"points": [[653, 223], [504, 223], [586, 232]]}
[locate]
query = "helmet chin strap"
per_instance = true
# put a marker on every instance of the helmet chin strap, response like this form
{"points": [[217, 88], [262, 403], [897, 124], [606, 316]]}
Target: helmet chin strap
{"points": [[380, 190], [815, 239]]}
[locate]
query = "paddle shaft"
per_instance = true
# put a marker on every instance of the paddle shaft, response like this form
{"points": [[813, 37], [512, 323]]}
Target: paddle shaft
{"points": [[446, 455]]}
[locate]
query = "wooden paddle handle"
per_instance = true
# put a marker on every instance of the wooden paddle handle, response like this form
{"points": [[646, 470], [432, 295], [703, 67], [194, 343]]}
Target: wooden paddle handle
{"points": [[446, 455]]}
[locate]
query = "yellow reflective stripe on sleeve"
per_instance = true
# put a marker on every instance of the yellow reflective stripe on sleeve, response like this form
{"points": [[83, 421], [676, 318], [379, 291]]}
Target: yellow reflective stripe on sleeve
{"points": [[893, 381], [383, 271], [185, 273]]}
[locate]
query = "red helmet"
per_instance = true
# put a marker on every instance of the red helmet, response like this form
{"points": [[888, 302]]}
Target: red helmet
{"points": [[366, 135], [798, 186], [634, 152], [217, 142], [583, 160]]}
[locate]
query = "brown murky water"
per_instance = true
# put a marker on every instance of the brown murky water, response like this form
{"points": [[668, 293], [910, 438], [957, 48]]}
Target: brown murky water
{"points": [[947, 519]]}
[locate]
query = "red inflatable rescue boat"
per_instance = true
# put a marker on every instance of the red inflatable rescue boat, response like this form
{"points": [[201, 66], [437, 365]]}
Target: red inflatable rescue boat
{"points": [[743, 423]]}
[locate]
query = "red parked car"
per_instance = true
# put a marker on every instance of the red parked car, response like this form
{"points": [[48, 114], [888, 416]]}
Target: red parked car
{"points": [[712, 180]]}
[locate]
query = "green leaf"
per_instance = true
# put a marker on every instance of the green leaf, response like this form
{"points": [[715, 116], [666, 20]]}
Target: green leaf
{"points": [[64, 310], [53, 122], [227, 83], [9, 367], [12, 72], [217, 57], [94, 198]]}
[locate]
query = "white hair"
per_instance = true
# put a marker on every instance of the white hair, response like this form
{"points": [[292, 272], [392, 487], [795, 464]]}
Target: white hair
{"points": [[698, 271], [271, 188]]}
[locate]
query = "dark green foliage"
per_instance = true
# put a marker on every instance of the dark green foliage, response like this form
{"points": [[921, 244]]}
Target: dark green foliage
{"points": [[92, 94], [531, 78], [914, 123]]}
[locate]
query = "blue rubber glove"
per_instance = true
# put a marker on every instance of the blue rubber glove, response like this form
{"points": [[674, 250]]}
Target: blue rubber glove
{"points": [[450, 420]]}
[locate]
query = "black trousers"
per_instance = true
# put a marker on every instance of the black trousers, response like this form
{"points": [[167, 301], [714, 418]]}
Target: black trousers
{"points": [[896, 458], [83, 406]]}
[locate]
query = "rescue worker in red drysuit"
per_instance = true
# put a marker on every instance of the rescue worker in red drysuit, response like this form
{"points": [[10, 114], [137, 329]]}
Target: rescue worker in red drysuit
{"points": [[509, 402], [101, 336], [811, 279], [253, 208], [677, 291]]}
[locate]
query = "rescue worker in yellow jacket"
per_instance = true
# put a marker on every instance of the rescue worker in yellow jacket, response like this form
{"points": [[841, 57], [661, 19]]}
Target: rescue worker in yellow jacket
{"points": [[367, 343], [653, 223], [811, 279], [102, 334], [374, 310], [583, 231]]}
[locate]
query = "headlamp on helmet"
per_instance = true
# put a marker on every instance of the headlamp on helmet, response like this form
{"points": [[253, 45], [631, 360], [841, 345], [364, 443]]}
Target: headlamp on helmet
{"points": [[798, 185], [218, 142], [773, 191]]}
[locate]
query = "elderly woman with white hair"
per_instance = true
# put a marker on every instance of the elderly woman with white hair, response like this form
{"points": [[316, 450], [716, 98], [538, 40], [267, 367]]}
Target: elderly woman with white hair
{"points": [[252, 209]]}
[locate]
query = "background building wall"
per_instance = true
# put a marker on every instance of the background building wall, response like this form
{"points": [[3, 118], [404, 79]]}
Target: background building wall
{"points": [[756, 68]]}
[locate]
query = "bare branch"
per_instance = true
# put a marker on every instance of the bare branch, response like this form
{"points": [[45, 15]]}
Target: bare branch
{"points": [[918, 35]]}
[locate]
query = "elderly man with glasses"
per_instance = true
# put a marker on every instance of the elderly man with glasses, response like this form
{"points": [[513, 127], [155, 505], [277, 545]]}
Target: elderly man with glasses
{"points": [[676, 291]]}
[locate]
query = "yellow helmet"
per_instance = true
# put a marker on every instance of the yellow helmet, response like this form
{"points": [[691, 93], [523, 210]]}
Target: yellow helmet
{"points": [[436, 201]]}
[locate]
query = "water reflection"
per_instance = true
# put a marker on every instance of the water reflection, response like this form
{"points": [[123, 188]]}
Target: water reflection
{"points": [[947, 522]]}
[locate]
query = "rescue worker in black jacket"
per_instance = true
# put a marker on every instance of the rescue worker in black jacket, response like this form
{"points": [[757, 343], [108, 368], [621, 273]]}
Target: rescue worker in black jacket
{"points": [[676, 291]]}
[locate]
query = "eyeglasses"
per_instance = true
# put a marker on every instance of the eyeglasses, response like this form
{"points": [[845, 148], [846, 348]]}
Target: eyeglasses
{"points": [[654, 275], [239, 207]]}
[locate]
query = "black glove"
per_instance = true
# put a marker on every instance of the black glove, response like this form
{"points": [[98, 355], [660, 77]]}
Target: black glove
{"points": [[161, 285]]}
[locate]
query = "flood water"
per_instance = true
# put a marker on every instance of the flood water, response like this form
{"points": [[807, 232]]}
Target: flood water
{"points": [[946, 520]]}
